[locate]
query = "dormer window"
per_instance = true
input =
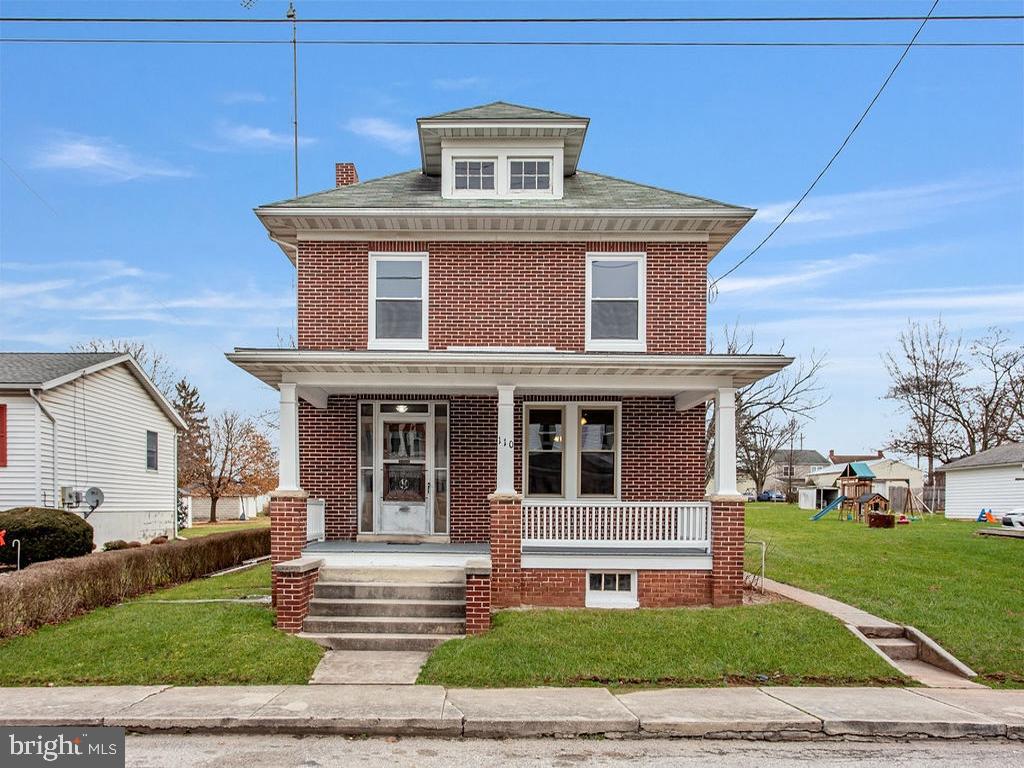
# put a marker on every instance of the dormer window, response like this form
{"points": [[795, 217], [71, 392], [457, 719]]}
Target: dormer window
{"points": [[474, 174], [529, 174]]}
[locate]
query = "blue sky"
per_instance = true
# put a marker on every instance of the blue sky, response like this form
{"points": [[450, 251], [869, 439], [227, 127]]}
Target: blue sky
{"points": [[130, 172]]}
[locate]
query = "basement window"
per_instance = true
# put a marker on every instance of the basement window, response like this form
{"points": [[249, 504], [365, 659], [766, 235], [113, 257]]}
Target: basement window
{"points": [[611, 589]]}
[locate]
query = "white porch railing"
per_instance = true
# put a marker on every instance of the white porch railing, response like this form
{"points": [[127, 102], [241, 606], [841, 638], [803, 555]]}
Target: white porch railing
{"points": [[315, 519], [643, 525]]}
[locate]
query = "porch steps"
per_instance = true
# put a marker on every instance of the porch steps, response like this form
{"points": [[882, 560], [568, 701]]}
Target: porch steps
{"points": [[394, 609]]}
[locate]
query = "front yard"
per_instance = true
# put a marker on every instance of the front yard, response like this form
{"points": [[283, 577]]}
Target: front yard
{"points": [[145, 641], [778, 643], [205, 529], [935, 574]]}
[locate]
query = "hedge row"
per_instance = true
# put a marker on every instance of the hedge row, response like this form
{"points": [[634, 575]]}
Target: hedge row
{"points": [[54, 591]]}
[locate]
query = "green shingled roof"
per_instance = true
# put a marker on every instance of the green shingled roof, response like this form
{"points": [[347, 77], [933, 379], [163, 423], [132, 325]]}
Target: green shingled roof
{"points": [[502, 110], [582, 190]]}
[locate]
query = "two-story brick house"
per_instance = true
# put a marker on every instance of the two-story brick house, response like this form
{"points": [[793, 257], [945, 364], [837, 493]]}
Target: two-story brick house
{"points": [[501, 375]]}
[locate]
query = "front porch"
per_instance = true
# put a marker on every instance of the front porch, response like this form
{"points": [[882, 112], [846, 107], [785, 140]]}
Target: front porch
{"points": [[382, 554]]}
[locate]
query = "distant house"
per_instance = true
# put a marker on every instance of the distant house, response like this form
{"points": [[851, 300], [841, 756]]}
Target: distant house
{"points": [[889, 477], [790, 468], [70, 421], [992, 479]]}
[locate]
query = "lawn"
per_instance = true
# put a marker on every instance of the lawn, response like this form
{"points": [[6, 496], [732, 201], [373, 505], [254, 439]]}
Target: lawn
{"points": [[205, 529], [961, 589], [143, 642], [778, 643]]}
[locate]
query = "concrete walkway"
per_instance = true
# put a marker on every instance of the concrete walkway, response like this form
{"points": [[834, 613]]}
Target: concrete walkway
{"points": [[724, 713], [369, 667]]}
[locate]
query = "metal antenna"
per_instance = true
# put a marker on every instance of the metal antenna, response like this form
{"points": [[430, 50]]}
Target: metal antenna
{"points": [[295, 92]]}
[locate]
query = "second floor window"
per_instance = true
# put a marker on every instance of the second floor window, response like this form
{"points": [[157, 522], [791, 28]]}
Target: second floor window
{"points": [[398, 301], [474, 174], [616, 296], [529, 174]]}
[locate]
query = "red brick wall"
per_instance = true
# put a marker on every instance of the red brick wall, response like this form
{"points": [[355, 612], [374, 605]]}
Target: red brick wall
{"points": [[662, 456], [292, 593], [727, 552], [506, 552], [287, 531], [566, 588], [478, 603], [501, 294]]}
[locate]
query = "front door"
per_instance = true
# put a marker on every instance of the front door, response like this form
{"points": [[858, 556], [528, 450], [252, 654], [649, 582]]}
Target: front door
{"points": [[403, 462]]}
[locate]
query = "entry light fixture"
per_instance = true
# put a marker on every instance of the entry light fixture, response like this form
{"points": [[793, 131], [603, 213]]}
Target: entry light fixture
{"points": [[402, 408]]}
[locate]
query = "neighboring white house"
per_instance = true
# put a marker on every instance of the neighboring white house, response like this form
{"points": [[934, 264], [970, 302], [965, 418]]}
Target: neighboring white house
{"points": [[992, 479], [891, 478], [76, 420]]}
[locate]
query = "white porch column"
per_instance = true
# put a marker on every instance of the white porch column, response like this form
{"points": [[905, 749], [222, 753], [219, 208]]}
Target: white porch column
{"points": [[288, 472], [506, 441], [725, 442]]}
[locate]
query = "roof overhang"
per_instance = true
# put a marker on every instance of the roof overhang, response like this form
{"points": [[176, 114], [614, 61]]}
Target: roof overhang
{"points": [[286, 226], [432, 131], [127, 360], [691, 379]]}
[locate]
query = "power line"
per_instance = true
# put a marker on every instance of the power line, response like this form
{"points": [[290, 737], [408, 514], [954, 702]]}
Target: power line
{"points": [[528, 43], [525, 20], [712, 287]]}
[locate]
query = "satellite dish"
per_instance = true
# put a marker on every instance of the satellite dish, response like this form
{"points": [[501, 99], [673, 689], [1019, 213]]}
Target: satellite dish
{"points": [[93, 497]]}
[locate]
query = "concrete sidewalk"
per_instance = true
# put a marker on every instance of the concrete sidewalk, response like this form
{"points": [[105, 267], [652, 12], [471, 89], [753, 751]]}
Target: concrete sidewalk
{"points": [[748, 713]]}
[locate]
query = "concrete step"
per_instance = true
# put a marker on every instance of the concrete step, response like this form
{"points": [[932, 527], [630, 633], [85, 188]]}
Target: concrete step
{"points": [[384, 625], [394, 575], [376, 642], [387, 607], [896, 647], [883, 630], [382, 590]]}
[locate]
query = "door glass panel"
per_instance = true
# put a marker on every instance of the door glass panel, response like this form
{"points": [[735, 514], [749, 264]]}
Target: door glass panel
{"points": [[404, 483], [440, 437], [441, 501], [597, 429], [366, 437], [405, 441], [404, 408], [366, 509]]}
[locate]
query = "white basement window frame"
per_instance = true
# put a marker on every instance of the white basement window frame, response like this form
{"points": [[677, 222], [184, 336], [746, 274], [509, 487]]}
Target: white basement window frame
{"points": [[392, 294], [602, 297], [611, 589]]}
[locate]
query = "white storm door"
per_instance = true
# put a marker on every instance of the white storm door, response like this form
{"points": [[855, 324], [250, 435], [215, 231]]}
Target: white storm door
{"points": [[404, 468]]}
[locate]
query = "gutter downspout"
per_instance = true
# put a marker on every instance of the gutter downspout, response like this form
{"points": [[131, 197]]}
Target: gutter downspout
{"points": [[53, 443]]}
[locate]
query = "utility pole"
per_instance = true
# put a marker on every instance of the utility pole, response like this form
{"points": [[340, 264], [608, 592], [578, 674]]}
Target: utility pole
{"points": [[295, 92]]}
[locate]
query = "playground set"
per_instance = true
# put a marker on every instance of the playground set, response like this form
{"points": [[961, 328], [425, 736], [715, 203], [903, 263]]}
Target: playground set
{"points": [[858, 501]]}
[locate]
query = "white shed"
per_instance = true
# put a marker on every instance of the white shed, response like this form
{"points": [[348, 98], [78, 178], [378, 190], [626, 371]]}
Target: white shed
{"points": [[992, 479], [75, 420]]}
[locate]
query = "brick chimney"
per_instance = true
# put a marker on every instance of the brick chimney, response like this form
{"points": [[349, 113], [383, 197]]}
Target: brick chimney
{"points": [[345, 174]]}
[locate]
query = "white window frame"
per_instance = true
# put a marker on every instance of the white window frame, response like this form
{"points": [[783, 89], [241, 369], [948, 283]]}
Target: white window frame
{"points": [[420, 343], [619, 345], [476, 193], [570, 447], [530, 159], [612, 599], [156, 451]]}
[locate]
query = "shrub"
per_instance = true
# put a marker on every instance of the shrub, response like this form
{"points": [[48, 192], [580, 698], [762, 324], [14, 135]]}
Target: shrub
{"points": [[134, 544], [116, 544], [45, 534], [55, 591], [159, 540]]}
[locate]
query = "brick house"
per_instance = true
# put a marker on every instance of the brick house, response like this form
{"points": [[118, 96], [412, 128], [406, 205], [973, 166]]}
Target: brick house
{"points": [[499, 392]]}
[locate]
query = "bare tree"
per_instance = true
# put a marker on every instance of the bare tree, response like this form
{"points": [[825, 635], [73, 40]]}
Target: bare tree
{"points": [[154, 363], [769, 409], [238, 458]]}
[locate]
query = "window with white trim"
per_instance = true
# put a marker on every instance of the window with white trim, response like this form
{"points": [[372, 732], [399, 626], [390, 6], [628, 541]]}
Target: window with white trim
{"points": [[616, 315], [529, 175], [611, 589], [398, 301], [598, 451], [474, 174]]}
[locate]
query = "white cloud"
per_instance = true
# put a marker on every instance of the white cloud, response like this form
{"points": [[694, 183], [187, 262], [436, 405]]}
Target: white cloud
{"points": [[102, 158], [390, 134], [242, 136], [457, 83], [797, 274], [243, 97], [878, 210]]}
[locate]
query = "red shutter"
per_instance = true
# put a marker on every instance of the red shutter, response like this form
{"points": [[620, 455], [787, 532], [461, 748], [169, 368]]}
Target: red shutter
{"points": [[3, 434]]}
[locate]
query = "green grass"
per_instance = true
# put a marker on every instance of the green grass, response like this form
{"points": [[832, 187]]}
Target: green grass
{"points": [[779, 643], [145, 643], [961, 589], [251, 581], [205, 529]]}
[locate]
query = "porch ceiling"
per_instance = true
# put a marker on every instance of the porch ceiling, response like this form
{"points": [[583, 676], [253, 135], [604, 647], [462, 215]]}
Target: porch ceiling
{"points": [[692, 378]]}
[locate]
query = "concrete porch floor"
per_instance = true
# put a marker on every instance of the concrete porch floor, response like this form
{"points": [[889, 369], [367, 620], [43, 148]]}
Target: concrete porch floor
{"points": [[371, 554]]}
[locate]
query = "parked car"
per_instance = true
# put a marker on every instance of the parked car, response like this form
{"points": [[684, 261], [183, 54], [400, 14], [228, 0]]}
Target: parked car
{"points": [[749, 496], [1014, 518], [771, 496]]}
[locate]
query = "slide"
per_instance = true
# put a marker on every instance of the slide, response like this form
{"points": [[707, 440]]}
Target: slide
{"points": [[821, 513]]}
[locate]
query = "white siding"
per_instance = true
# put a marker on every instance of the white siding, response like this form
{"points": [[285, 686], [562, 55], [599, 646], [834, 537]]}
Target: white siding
{"points": [[968, 491], [229, 507], [102, 420], [18, 480]]}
